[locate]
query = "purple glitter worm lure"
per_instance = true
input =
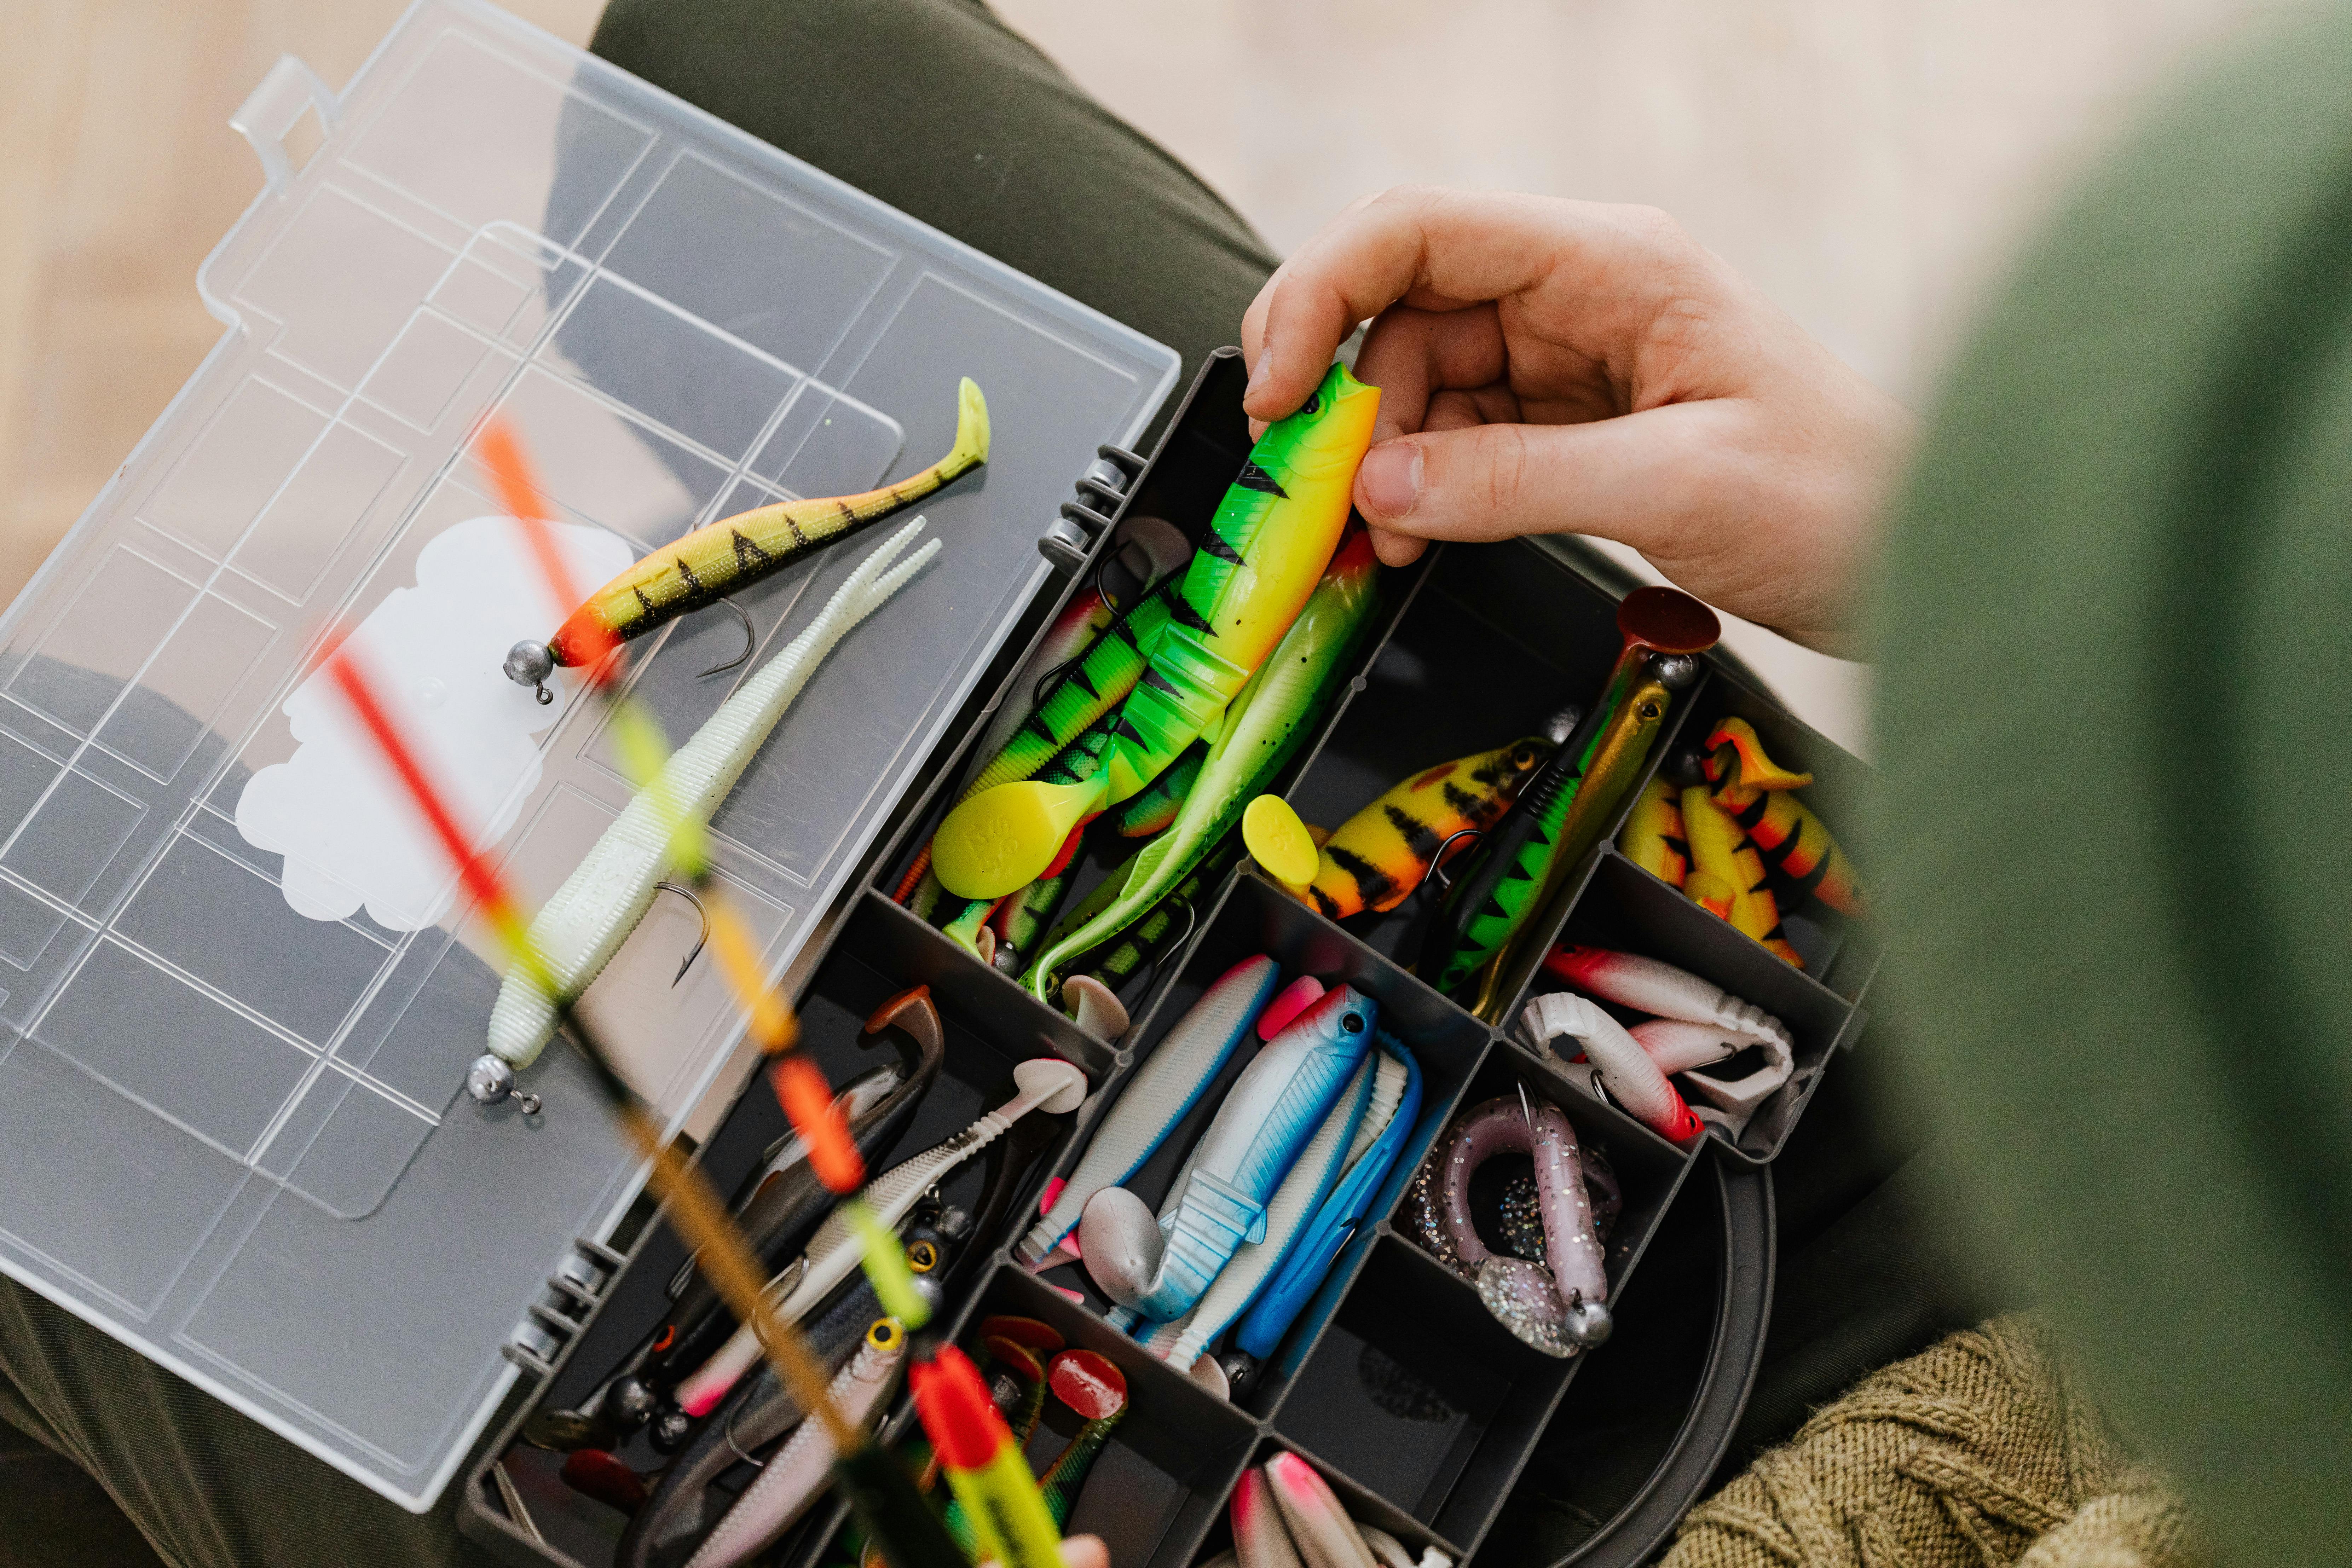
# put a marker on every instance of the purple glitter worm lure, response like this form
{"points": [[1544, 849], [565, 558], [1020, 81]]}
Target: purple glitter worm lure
{"points": [[1561, 1309]]}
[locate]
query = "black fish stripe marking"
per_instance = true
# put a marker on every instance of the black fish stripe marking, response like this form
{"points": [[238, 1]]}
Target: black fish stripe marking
{"points": [[1035, 723], [1749, 816], [1516, 872], [1469, 807], [1125, 633], [1419, 837], [748, 556], [1679, 846], [1183, 613], [685, 570], [644, 602], [1159, 682], [1216, 545], [1078, 678], [1372, 882], [1811, 880], [799, 539], [1126, 731], [1253, 478], [1494, 909], [1324, 902]]}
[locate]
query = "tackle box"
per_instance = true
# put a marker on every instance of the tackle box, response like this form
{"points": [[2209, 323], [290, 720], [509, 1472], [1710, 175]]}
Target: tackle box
{"points": [[236, 1137]]}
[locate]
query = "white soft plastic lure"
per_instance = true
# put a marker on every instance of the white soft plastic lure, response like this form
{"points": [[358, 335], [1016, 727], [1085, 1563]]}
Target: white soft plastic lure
{"points": [[1653, 986], [584, 925], [1044, 1083]]}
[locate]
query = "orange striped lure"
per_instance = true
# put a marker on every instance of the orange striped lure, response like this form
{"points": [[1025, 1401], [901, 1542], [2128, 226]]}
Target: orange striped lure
{"points": [[1759, 794], [1653, 835], [1727, 876], [1384, 852], [719, 558]]}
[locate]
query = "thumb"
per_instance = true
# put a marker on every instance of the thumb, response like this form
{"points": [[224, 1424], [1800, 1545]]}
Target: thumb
{"points": [[1637, 478]]}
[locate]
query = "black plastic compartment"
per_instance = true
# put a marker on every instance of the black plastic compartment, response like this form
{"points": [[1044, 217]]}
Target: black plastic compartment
{"points": [[1163, 1501], [989, 1030], [1624, 908], [1254, 918], [1497, 640]]}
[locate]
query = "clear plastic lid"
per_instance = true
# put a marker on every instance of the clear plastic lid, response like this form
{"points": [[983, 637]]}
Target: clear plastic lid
{"points": [[234, 1135]]}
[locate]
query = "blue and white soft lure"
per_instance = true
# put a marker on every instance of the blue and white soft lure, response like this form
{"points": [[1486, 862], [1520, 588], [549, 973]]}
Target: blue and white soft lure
{"points": [[1352, 1145], [1162, 1092], [1161, 1268], [1379, 1140]]}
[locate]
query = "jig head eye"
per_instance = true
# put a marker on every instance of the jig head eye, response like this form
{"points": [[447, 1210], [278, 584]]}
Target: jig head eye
{"points": [[922, 1256], [529, 664]]}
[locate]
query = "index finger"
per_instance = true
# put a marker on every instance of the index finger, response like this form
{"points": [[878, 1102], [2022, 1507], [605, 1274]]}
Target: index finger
{"points": [[1437, 249]]}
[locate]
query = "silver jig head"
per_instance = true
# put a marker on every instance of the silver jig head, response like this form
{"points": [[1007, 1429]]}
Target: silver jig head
{"points": [[529, 664], [491, 1082]]}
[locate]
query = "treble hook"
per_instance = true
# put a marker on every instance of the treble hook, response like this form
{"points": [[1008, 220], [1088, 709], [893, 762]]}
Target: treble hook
{"points": [[704, 935], [749, 639]]}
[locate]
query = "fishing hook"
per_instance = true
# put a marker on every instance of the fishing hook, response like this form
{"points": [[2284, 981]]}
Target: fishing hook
{"points": [[1445, 882], [749, 639], [700, 937]]}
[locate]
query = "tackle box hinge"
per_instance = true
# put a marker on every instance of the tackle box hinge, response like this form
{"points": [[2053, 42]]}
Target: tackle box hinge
{"points": [[574, 1291], [1102, 490]]}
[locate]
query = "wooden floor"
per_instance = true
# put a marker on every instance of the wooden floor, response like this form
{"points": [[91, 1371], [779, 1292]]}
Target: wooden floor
{"points": [[1868, 161]]}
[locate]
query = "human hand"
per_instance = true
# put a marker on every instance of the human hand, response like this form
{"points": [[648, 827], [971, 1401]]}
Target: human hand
{"points": [[1548, 365]]}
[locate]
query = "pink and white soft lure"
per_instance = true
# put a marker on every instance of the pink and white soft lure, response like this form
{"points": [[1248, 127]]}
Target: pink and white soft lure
{"points": [[1649, 986], [1695, 1019], [1625, 1069]]}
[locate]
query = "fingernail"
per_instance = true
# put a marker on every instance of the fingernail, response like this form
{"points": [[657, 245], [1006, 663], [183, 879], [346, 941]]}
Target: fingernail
{"points": [[1259, 371], [1391, 478]]}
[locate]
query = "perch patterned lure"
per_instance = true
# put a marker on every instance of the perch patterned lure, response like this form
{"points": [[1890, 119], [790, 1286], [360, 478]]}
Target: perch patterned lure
{"points": [[1059, 742], [1267, 549], [1727, 875], [1500, 889], [1267, 722], [1757, 794], [1384, 852], [719, 558], [1653, 835], [579, 930]]}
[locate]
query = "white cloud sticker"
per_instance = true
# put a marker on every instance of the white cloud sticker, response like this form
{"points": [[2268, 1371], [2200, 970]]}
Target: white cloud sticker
{"points": [[350, 834]]}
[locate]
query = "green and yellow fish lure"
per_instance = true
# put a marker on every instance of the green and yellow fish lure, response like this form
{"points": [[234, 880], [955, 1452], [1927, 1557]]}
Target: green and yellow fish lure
{"points": [[1265, 551]]}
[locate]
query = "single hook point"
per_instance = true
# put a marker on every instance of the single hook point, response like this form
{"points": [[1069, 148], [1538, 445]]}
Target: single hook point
{"points": [[749, 639]]}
